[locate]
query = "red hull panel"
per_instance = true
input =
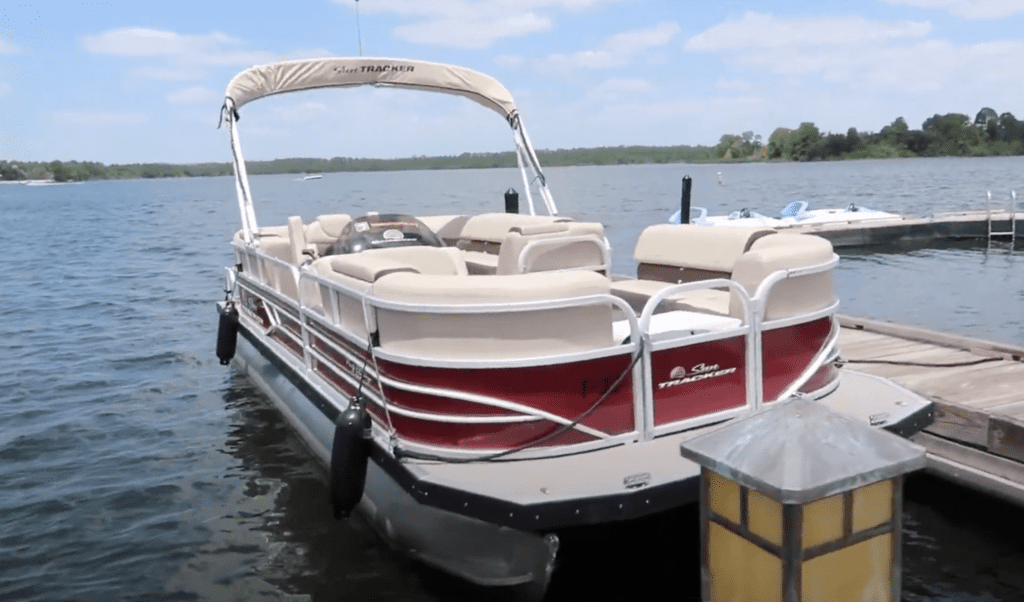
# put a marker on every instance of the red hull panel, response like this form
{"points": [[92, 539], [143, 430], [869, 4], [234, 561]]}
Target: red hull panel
{"points": [[566, 390], [788, 351], [699, 379]]}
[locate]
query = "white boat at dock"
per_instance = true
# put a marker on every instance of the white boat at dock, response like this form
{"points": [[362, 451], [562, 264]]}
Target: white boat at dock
{"points": [[795, 214], [476, 384]]}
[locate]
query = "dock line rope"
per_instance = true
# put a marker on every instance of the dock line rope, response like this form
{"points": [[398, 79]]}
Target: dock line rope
{"points": [[401, 453], [922, 364]]}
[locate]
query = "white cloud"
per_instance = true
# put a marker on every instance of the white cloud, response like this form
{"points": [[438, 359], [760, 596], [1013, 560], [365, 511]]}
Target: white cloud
{"points": [[969, 9], [4, 88], [170, 74], [210, 49], [193, 95], [511, 61], [734, 85], [185, 55], [619, 49], [793, 70], [868, 56], [756, 31], [9, 47], [472, 23], [635, 41], [616, 88], [462, 33], [97, 118]]}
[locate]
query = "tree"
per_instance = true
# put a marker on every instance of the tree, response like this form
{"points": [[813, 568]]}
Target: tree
{"points": [[853, 140], [778, 143], [11, 171], [985, 116], [952, 134], [896, 133], [60, 171], [804, 142]]}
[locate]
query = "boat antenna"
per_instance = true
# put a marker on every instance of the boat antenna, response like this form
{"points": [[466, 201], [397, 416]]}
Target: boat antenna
{"points": [[359, 33]]}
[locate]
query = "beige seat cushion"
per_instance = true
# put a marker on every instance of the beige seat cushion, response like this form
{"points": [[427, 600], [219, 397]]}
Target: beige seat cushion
{"points": [[638, 292], [699, 247], [492, 227], [550, 247], [792, 296], [447, 227], [498, 334]]}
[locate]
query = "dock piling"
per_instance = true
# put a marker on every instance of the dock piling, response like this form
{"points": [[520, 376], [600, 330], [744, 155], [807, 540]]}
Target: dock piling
{"points": [[684, 200]]}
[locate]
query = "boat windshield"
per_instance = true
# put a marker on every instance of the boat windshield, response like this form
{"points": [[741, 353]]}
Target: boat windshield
{"points": [[383, 231]]}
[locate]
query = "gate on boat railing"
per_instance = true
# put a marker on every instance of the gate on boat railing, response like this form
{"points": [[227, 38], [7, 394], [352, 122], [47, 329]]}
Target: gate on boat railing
{"points": [[313, 330]]}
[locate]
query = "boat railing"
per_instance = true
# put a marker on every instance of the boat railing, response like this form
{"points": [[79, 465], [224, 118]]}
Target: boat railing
{"points": [[752, 354], [312, 324], [753, 323], [326, 350]]}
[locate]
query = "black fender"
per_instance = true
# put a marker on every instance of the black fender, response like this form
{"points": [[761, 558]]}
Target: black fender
{"points": [[227, 333], [350, 454]]}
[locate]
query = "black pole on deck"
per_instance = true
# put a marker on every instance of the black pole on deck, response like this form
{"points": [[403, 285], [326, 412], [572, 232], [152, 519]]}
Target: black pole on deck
{"points": [[684, 201], [511, 201]]}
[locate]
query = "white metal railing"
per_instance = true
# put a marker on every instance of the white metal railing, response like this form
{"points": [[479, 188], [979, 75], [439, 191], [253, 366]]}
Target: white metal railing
{"points": [[753, 322], [271, 271]]}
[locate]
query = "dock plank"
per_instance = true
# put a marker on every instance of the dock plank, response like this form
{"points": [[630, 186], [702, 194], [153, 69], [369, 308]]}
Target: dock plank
{"points": [[977, 437], [1006, 437], [980, 404]]}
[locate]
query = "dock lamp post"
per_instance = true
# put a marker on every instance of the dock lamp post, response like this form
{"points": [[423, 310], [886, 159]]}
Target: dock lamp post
{"points": [[801, 504]]}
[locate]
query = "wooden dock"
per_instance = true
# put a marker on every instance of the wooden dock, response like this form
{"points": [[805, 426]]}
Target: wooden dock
{"points": [[949, 226], [977, 438]]}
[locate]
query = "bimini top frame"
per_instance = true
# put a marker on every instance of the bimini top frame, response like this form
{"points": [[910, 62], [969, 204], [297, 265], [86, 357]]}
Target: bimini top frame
{"points": [[293, 76]]}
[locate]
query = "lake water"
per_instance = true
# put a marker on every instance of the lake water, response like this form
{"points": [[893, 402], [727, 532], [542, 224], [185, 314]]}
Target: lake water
{"points": [[134, 467]]}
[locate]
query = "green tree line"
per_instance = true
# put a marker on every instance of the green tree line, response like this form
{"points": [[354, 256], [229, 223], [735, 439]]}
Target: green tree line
{"points": [[950, 135], [953, 134]]}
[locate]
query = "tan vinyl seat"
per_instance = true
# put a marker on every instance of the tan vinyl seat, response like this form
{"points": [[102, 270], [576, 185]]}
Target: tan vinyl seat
{"points": [[481, 236], [323, 232], [497, 335], [668, 254], [556, 246], [792, 296], [358, 271], [447, 227]]}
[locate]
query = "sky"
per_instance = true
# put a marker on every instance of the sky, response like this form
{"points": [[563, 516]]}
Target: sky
{"points": [[133, 83]]}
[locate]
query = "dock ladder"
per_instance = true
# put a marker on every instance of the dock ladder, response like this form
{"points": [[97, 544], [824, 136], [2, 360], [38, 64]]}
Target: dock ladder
{"points": [[1012, 232]]}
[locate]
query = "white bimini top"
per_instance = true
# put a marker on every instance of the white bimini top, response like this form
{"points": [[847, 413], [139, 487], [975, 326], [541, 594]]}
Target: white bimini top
{"points": [[306, 74]]}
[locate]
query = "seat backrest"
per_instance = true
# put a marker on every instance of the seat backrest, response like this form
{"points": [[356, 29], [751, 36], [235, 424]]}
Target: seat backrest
{"points": [[792, 296], [498, 334], [485, 232], [326, 229], [447, 227], [687, 253], [554, 246]]}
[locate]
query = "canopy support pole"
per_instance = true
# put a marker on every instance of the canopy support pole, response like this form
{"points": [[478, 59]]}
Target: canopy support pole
{"points": [[249, 227]]}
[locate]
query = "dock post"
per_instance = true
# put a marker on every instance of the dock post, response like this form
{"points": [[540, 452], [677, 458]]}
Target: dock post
{"points": [[684, 201], [799, 503], [511, 201]]}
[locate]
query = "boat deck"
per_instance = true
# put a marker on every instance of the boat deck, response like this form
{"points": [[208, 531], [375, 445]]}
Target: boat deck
{"points": [[977, 437]]}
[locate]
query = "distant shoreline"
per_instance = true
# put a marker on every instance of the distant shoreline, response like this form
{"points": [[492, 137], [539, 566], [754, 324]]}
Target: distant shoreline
{"points": [[731, 151]]}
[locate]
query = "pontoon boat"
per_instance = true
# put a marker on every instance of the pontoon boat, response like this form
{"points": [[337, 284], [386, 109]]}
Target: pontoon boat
{"points": [[477, 383]]}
